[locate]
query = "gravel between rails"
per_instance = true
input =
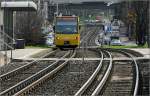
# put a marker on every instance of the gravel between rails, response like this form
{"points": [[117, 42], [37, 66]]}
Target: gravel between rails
{"points": [[88, 53], [87, 38], [144, 86], [14, 65], [9, 67], [23, 75], [96, 81], [57, 54], [93, 35], [121, 80], [117, 54], [68, 80]]}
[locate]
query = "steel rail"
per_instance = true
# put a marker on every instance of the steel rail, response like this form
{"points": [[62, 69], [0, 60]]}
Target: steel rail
{"points": [[137, 73], [84, 37], [17, 70], [42, 79], [92, 59], [90, 80], [30, 79], [104, 79]]}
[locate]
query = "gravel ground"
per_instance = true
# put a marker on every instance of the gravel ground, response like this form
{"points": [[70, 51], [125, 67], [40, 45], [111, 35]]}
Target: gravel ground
{"points": [[57, 54], [120, 83], [13, 65], [88, 53], [144, 67], [23, 75], [68, 80], [9, 67], [98, 78], [89, 40], [93, 35], [117, 54]]}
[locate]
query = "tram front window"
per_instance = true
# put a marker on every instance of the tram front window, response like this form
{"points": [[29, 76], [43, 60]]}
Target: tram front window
{"points": [[66, 28]]}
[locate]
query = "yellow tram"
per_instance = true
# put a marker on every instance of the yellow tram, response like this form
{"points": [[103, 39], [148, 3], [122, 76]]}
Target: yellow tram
{"points": [[67, 31]]}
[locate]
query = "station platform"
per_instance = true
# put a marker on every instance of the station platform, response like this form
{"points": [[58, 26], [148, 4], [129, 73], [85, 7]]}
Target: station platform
{"points": [[28, 52], [24, 53], [85, 59]]}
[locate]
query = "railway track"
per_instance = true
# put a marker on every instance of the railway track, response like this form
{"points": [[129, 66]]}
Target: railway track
{"points": [[82, 73], [9, 83], [6, 78], [69, 80], [77, 77], [13, 70], [103, 70], [43, 77], [92, 37], [17, 65], [90, 87], [86, 40], [144, 78], [124, 80], [121, 79]]}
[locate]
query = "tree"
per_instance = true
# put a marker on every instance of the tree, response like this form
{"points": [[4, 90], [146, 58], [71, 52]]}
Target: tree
{"points": [[141, 8], [132, 23]]}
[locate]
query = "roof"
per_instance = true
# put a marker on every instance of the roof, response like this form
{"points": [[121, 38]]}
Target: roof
{"points": [[19, 5], [66, 16]]}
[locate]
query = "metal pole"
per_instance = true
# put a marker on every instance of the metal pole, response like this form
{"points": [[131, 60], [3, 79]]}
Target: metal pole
{"points": [[12, 41], [149, 27], [11, 52], [5, 39], [57, 9], [5, 49]]}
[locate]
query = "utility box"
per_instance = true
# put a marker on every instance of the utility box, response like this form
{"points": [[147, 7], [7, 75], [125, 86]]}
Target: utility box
{"points": [[20, 44]]}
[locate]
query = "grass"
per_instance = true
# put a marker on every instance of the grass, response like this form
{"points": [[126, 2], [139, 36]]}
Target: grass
{"points": [[121, 47]]}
